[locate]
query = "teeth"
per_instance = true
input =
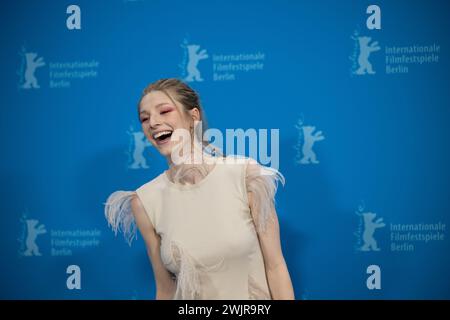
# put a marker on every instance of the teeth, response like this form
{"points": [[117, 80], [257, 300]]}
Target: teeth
{"points": [[159, 134]]}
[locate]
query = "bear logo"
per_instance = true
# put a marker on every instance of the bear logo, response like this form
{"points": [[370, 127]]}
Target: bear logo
{"points": [[369, 229], [33, 230], [364, 52], [139, 142], [309, 156], [194, 58], [32, 65]]}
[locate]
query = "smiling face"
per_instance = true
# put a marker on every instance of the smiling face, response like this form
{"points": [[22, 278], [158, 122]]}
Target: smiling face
{"points": [[160, 116]]}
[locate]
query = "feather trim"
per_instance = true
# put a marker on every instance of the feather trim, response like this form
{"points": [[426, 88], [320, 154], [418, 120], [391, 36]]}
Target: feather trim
{"points": [[119, 215], [255, 292], [262, 182], [189, 274]]}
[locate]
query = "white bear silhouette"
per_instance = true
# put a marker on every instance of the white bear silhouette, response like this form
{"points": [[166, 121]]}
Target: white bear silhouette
{"points": [[33, 231], [32, 64], [140, 143], [194, 58], [364, 52], [369, 229], [308, 142]]}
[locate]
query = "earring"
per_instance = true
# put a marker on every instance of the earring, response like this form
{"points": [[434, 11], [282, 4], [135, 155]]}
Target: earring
{"points": [[192, 137]]}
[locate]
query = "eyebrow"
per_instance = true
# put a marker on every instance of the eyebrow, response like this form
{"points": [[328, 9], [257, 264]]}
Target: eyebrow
{"points": [[157, 106]]}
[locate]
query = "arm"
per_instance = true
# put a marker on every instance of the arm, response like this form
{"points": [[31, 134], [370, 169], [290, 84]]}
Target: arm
{"points": [[165, 285], [261, 191], [278, 278]]}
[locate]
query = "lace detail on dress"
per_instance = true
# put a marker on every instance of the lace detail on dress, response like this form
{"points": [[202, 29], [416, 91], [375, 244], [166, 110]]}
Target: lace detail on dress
{"points": [[255, 292], [119, 215], [262, 182], [189, 277]]}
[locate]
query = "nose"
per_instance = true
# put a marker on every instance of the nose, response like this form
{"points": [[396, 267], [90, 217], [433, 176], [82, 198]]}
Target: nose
{"points": [[154, 121]]}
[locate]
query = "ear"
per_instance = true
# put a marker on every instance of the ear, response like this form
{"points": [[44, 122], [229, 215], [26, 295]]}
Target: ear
{"points": [[195, 114]]}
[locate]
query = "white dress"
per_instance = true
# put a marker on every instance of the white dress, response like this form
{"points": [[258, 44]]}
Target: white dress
{"points": [[209, 240]]}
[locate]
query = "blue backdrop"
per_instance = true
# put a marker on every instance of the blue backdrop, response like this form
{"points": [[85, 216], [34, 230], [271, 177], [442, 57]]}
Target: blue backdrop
{"points": [[364, 138]]}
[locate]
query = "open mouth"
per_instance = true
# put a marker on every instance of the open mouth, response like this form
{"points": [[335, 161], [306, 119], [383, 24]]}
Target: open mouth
{"points": [[162, 136]]}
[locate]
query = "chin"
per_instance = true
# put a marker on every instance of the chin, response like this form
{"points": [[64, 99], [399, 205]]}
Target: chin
{"points": [[165, 150]]}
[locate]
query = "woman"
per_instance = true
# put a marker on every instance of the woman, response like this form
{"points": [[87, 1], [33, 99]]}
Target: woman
{"points": [[210, 226]]}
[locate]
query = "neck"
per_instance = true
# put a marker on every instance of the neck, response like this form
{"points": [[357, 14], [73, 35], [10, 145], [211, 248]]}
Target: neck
{"points": [[194, 169], [197, 157]]}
